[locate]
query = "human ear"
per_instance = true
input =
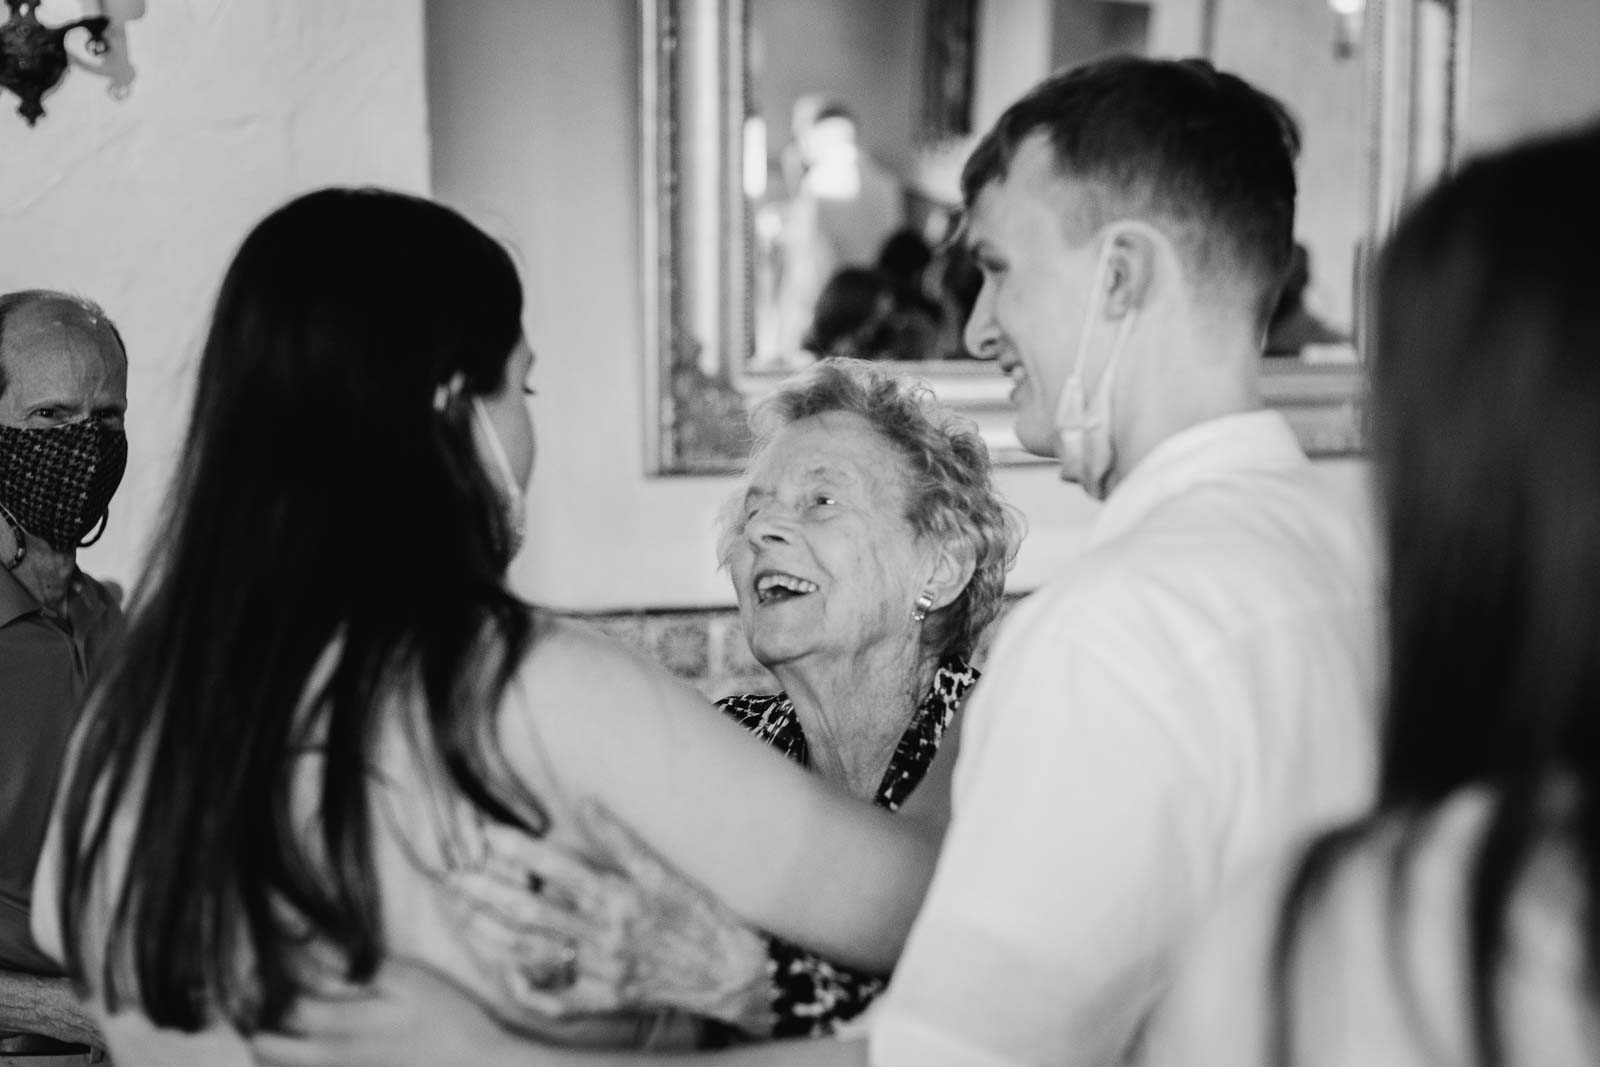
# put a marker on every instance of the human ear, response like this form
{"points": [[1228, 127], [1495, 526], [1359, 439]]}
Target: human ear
{"points": [[954, 560], [1132, 264]]}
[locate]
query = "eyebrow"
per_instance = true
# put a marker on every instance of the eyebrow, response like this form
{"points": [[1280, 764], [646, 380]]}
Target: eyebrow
{"points": [[834, 475], [824, 474], [50, 400], [55, 400]]}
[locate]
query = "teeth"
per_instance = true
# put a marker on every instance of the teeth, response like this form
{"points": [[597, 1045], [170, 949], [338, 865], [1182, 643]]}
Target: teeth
{"points": [[771, 585]]}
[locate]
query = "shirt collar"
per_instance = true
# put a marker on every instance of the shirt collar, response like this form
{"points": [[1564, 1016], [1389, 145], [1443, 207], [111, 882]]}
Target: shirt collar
{"points": [[15, 600], [1250, 442]]}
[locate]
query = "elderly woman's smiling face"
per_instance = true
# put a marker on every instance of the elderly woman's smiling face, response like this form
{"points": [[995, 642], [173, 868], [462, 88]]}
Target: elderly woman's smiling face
{"points": [[824, 562]]}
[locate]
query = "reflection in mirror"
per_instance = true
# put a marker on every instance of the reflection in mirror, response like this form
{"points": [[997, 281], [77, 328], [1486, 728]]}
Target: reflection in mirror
{"points": [[857, 112], [802, 183], [1310, 57]]}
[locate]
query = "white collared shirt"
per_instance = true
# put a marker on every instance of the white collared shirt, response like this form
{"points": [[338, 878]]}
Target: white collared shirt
{"points": [[1195, 688]]}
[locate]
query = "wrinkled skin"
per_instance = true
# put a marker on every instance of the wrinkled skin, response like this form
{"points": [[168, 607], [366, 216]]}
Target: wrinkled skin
{"points": [[645, 936]]}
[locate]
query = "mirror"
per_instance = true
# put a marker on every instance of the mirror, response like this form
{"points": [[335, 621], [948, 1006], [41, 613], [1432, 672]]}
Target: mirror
{"points": [[802, 165]]}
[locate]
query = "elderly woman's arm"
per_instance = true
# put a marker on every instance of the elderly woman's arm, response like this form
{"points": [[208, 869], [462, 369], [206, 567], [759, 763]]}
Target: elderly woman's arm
{"points": [[651, 940], [786, 851], [654, 939], [49, 1006]]}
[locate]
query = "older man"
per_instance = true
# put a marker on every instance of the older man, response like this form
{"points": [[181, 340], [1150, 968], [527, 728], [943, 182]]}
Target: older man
{"points": [[63, 393], [1190, 692]]}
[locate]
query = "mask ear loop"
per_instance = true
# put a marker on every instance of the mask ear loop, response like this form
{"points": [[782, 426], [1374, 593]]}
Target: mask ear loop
{"points": [[501, 460], [515, 516], [21, 539], [1099, 399], [98, 530], [1072, 403]]}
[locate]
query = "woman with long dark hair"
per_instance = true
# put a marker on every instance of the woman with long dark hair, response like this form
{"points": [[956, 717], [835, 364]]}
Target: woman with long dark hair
{"points": [[329, 704], [1458, 923]]}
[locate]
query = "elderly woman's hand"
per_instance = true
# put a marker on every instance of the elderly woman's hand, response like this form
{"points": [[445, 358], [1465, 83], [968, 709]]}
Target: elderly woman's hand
{"points": [[592, 940]]}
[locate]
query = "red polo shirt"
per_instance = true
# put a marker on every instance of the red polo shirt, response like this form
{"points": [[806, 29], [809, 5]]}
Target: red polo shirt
{"points": [[46, 665]]}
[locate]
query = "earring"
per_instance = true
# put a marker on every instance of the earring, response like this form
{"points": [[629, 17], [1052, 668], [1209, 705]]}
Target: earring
{"points": [[920, 609]]}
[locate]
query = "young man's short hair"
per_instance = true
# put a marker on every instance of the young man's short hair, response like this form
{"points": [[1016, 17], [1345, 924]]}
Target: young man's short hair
{"points": [[1201, 154]]}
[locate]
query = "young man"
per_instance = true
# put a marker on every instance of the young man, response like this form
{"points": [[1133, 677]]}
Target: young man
{"points": [[1196, 687]]}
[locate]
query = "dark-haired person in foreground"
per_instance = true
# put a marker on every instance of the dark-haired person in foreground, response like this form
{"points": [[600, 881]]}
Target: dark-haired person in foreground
{"points": [[63, 393], [312, 736], [1194, 689], [1456, 922]]}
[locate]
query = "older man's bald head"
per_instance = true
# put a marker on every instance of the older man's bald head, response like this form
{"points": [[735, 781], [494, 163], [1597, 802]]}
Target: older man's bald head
{"points": [[27, 313], [61, 358]]}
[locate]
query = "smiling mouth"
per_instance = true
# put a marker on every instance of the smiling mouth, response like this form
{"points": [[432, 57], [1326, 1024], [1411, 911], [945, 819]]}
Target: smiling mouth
{"points": [[775, 585]]}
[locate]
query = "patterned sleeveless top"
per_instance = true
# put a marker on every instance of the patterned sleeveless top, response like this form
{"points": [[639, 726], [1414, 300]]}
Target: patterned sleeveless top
{"points": [[811, 996]]}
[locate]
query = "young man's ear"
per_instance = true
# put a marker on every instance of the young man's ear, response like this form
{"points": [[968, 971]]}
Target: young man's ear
{"points": [[1131, 266]]}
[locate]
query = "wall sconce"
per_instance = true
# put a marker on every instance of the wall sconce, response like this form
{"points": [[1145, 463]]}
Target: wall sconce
{"points": [[33, 56], [1348, 34]]}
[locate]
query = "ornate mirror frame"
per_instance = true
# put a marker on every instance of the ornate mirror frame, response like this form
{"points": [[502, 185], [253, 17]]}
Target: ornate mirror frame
{"points": [[698, 318]]}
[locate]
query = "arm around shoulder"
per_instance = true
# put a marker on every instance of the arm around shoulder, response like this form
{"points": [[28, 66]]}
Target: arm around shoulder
{"points": [[787, 851]]}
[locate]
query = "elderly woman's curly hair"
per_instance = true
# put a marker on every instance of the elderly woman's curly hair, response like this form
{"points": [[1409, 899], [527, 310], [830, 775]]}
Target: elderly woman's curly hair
{"points": [[950, 494]]}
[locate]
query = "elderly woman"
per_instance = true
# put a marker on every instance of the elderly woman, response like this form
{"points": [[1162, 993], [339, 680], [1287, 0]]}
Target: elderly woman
{"points": [[868, 552]]}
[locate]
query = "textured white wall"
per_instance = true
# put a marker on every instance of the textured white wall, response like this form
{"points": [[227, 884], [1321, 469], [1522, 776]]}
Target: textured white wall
{"points": [[236, 106], [1531, 68]]}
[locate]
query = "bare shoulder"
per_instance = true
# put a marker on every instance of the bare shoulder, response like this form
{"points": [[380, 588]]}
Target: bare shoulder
{"points": [[580, 686], [568, 656]]}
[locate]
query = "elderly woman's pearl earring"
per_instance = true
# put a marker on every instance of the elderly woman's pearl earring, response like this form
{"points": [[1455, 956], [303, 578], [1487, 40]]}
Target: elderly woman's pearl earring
{"points": [[920, 609]]}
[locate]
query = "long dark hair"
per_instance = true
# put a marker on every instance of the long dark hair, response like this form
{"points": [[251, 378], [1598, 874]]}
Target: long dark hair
{"points": [[328, 496], [1487, 437]]}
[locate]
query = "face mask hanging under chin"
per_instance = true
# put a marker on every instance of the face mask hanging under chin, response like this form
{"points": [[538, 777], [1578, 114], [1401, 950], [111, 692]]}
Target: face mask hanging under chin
{"points": [[516, 519], [1083, 424]]}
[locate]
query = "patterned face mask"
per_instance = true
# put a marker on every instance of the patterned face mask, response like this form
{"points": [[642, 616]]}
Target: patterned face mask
{"points": [[56, 483]]}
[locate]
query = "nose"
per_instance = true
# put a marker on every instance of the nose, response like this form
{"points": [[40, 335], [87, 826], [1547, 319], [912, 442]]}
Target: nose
{"points": [[767, 525], [982, 334]]}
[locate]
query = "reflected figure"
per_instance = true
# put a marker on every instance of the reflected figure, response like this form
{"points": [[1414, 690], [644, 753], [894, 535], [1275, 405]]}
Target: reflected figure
{"points": [[881, 313], [1293, 325], [858, 202], [843, 207], [793, 159], [959, 283], [905, 261], [854, 317]]}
